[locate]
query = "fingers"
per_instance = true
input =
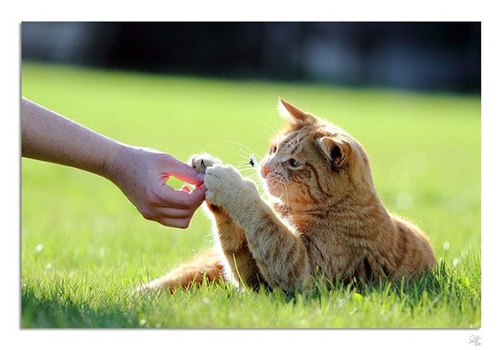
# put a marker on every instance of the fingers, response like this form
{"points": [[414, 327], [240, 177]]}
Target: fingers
{"points": [[179, 199], [172, 207]]}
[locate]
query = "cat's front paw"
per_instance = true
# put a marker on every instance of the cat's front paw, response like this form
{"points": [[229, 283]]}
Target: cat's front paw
{"points": [[201, 162], [226, 187]]}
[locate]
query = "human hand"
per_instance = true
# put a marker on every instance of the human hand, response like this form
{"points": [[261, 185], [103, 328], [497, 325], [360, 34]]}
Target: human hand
{"points": [[142, 173]]}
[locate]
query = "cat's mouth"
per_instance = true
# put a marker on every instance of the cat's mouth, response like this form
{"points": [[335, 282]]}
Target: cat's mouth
{"points": [[276, 183], [266, 171]]}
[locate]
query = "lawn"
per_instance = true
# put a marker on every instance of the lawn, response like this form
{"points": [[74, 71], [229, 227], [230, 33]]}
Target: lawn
{"points": [[84, 247]]}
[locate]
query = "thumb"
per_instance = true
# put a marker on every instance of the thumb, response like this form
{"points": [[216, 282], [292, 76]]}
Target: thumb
{"points": [[185, 172]]}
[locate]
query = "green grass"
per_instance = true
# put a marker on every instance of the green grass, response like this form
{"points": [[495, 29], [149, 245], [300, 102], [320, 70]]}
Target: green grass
{"points": [[84, 247]]}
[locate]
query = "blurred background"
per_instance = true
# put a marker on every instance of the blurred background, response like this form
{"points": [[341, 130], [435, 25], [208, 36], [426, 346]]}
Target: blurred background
{"points": [[433, 56]]}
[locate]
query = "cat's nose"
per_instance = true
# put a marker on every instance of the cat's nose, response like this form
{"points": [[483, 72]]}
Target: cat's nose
{"points": [[265, 169]]}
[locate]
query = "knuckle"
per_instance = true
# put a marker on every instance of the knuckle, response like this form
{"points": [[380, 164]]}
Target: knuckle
{"points": [[151, 197], [148, 214]]}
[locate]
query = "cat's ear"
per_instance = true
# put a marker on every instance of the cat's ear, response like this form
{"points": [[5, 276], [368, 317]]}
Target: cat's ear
{"points": [[337, 150], [292, 114]]}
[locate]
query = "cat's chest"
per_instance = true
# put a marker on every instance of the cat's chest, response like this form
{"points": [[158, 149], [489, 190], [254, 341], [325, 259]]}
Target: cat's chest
{"points": [[306, 223], [332, 237], [317, 225]]}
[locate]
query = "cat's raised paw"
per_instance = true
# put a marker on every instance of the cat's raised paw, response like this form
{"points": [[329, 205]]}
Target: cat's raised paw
{"points": [[224, 184], [201, 162]]}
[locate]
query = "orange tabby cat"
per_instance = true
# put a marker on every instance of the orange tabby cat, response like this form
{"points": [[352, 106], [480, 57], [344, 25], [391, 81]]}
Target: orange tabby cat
{"points": [[324, 218]]}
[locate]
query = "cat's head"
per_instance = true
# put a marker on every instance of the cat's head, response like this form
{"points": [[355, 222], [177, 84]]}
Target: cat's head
{"points": [[312, 162]]}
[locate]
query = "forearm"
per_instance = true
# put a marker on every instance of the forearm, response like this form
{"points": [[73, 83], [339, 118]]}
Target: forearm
{"points": [[48, 136]]}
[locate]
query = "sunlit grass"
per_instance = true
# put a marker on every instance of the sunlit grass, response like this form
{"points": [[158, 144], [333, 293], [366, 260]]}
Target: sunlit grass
{"points": [[84, 247]]}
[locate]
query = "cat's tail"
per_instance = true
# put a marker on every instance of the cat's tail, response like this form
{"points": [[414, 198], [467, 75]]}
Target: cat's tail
{"points": [[204, 266]]}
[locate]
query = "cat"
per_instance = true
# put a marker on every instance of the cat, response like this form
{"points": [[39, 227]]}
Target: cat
{"points": [[323, 220]]}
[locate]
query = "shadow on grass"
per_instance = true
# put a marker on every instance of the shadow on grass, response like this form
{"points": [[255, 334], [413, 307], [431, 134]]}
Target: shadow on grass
{"points": [[38, 311]]}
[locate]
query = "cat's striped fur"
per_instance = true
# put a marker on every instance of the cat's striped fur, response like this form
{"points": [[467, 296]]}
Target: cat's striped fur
{"points": [[324, 217]]}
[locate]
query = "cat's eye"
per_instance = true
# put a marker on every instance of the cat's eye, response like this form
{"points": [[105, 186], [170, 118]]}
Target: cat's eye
{"points": [[294, 163], [273, 149]]}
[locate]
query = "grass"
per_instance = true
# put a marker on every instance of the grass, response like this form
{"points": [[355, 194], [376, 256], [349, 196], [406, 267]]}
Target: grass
{"points": [[84, 247]]}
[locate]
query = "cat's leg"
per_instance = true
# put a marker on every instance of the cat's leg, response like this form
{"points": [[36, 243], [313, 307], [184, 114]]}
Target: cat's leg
{"points": [[239, 265], [205, 265], [280, 254]]}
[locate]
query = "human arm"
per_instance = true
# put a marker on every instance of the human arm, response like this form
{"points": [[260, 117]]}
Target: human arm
{"points": [[140, 173]]}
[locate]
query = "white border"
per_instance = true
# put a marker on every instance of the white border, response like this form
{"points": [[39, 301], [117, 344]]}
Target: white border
{"points": [[313, 10]]}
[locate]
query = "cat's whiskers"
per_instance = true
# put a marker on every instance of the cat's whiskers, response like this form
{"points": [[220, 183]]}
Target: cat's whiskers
{"points": [[274, 128], [250, 168], [250, 174], [243, 150], [247, 153], [251, 165]]}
